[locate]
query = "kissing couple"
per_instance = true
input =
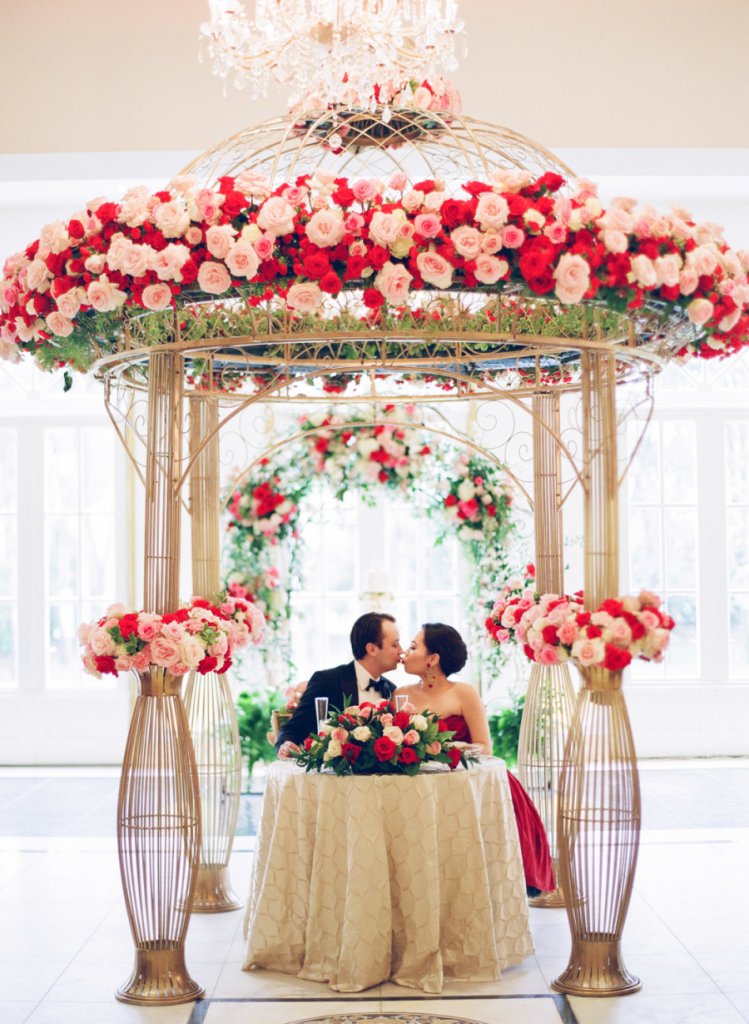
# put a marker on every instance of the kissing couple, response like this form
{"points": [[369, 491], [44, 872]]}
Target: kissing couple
{"points": [[435, 653]]}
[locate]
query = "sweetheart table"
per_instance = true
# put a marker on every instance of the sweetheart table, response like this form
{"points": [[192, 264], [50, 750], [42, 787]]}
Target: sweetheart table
{"points": [[363, 879]]}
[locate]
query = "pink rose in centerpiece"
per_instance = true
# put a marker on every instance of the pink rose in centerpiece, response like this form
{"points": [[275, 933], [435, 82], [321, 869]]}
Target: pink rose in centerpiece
{"points": [[365, 189], [168, 263], [512, 237], [492, 210], [172, 218], [213, 277], [548, 656], [588, 652], [428, 224], [411, 737], [490, 269], [59, 324], [467, 241], [104, 296], [253, 184], [383, 228], [434, 748], [264, 246], [644, 272], [699, 311]]}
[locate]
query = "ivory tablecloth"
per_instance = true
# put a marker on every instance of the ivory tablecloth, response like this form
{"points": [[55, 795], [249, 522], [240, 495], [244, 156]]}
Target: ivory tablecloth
{"points": [[362, 879]]}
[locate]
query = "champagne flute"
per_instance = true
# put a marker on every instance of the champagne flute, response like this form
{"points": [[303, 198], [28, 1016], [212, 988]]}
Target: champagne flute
{"points": [[321, 710], [401, 699]]}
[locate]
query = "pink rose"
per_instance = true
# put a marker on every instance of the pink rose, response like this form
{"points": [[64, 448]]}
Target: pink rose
{"points": [[588, 652], [492, 210], [412, 200], [295, 194], [37, 275], [548, 655], [134, 206], [393, 282], [704, 260], [699, 311], [428, 224], [253, 184], [194, 235], [615, 241], [568, 633], [643, 271], [101, 643], [70, 302], [242, 260], [95, 264], [213, 277], [219, 240], [339, 734], [148, 625], [411, 737], [168, 263], [467, 241], [325, 228], [353, 223], [668, 268], [387, 720], [512, 237], [276, 216], [491, 242], [434, 269], [621, 634], [365, 189], [489, 269], [122, 663], [136, 259], [264, 246], [730, 321], [397, 181], [572, 275], [157, 296], [434, 748], [304, 297], [383, 228], [104, 296], [172, 218], [173, 631], [208, 205], [556, 232]]}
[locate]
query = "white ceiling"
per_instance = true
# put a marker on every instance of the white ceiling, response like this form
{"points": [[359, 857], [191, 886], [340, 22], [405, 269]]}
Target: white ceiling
{"points": [[84, 76]]}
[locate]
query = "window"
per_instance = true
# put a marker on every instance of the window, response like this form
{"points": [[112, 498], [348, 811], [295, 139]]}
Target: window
{"points": [[737, 542]]}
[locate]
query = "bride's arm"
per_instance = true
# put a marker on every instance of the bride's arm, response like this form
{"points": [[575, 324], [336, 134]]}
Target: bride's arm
{"points": [[475, 715]]}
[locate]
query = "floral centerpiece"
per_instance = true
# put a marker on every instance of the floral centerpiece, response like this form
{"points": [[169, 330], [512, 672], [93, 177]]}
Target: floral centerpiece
{"points": [[554, 628], [376, 739], [199, 636]]}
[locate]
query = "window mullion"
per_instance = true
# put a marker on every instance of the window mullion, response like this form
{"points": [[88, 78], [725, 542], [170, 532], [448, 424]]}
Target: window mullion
{"points": [[32, 585], [712, 568]]}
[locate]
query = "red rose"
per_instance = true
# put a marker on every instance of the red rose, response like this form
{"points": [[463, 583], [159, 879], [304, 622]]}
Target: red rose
{"points": [[308, 743], [402, 719], [351, 752], [550, 181], [108, 211], [105, 665], [372, 298], [529, 652], [128, 624], [316, 264], [330, 283], [451, 500], [592, 632], [343, 196], [378, 257], [208, 664], [549, 633], [452, 212], [613, 607], [616, 658], [384, 748], [454, 754], [408, 756]]}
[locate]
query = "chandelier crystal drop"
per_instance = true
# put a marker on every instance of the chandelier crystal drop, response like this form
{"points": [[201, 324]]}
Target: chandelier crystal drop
{"points": [[337, 50]]}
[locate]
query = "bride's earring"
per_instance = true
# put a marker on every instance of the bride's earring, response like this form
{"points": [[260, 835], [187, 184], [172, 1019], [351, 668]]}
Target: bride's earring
{"points": [[430, 677]]}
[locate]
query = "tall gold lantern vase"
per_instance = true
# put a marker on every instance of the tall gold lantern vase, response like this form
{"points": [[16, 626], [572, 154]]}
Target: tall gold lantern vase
{"points": [[598, 836], [215, 736], [158, 834]]}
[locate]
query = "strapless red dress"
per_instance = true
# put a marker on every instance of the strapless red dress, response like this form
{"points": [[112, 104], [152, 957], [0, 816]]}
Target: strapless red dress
{"points": [[534, 846]]}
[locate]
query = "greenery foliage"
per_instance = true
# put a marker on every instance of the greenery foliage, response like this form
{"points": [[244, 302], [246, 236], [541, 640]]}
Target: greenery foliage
{"points": [[504, 727], [254, 711]]}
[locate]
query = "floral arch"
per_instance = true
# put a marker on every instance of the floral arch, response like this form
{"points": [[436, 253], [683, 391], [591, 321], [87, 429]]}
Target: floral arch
{"points": [[467, 492]]}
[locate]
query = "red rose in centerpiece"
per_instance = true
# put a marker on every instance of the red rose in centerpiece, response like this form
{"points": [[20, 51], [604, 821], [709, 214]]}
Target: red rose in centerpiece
{"points": [[384, 748], [408, 756], [351, 752]]}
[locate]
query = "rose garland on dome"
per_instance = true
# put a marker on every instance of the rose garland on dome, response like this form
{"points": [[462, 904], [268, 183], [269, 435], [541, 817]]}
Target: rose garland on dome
{"points": [[199, 637], [63, 297], [439, 95], [554, 629]]}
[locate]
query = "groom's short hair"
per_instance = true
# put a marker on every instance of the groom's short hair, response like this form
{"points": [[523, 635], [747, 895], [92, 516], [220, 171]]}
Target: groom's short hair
{"points": [[368, 630]]}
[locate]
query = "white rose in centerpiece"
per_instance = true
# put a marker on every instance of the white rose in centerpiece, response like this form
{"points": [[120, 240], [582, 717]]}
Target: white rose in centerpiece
{"points": [[334, 750], [419, 722], [362, 733], [393, 733]]}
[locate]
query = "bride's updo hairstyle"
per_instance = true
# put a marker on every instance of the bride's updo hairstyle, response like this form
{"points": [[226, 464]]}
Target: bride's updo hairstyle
{"points": [[448, 644]]}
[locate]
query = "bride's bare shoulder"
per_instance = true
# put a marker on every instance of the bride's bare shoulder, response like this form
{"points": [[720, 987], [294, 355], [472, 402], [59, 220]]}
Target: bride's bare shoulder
{"points": [[408, 688]]}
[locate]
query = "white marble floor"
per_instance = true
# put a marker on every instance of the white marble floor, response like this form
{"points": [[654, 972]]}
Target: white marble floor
{"points": [[65, 944]]}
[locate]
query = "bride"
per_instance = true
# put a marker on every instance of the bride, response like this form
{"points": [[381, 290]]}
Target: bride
{"points": [[436, 652]]}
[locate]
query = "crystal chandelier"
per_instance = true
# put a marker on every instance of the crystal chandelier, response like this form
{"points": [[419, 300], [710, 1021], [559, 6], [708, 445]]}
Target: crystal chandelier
{"points": [[337, 50]]}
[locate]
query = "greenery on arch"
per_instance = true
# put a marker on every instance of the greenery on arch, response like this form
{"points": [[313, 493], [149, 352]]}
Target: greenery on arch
{"points": [[468, 495]]}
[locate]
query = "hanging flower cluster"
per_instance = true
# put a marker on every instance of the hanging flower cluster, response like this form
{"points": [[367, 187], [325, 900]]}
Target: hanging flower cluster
{"points": [[516, 596], [553, 629], [199, 636], [478, 498], [265, 509], [406, 94], [304, 241]]}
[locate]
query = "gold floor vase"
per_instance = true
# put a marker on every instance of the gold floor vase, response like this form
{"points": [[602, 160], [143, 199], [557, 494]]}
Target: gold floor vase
{"points": [[158, 835], [599, 836], [547, 714], [215, 736]]}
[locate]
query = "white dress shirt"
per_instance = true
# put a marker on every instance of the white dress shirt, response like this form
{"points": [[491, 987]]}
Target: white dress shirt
{"points": [[363, 679]]}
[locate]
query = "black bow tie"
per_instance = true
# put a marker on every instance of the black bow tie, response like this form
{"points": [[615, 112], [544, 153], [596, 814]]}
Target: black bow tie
{"points": [[377, 684]]}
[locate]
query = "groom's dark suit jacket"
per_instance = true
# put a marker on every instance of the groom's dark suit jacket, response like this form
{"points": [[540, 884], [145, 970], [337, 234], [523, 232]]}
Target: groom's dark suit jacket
{"points": [[334, 683]]}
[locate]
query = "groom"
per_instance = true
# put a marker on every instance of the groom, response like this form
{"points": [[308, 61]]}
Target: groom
{"points": [[375, 644]]}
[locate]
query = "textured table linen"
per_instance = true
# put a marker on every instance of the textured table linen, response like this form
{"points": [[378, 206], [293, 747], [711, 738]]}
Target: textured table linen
{"points": [[362, 879]]}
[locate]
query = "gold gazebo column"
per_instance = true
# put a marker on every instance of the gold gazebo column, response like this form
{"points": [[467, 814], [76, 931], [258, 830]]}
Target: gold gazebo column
{"points": [[210, 709], [550, 697], [158, 811], [599, 789]]}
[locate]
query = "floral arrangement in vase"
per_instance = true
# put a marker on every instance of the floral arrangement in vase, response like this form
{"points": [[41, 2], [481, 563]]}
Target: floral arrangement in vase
{"points": [[196, 637], [554, 628], [377, 739]]}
